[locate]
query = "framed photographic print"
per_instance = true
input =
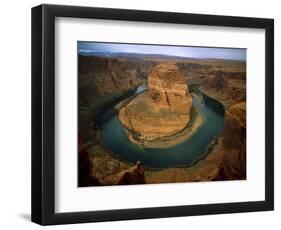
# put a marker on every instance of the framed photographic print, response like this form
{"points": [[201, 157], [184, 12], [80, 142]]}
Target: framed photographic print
{"points": [[141, 114]]}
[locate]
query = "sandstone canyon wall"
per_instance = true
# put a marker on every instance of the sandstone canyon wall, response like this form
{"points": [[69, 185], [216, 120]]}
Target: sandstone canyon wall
{"points": [[234, 143], [102, 79], [227, 87]]}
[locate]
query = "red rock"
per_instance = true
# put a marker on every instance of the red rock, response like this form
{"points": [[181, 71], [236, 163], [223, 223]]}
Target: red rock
{"points": [[234, 143], [163, 110]]}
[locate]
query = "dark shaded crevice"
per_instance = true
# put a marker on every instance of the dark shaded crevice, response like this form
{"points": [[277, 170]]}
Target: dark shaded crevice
{"points": [[167, 99], [113, 80]]}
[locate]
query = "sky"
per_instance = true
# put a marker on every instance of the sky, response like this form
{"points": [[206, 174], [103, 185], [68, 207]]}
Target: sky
{"points": [[182, 51]]}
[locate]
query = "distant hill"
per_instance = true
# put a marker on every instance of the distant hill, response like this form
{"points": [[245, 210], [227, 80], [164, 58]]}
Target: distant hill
{"points": [[145, 56], [132, 55]]}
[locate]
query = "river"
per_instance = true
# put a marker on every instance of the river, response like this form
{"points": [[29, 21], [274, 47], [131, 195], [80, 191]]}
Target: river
{"points": [[186, 153]]}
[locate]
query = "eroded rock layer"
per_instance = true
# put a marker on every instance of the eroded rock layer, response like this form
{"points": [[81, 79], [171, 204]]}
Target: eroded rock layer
{"points": [[103, 79], [163, 110], [234, 163], [227, 87]]}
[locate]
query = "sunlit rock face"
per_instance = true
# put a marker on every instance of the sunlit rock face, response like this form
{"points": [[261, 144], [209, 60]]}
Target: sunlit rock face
{"points": [[163, 110], [166, 87]]}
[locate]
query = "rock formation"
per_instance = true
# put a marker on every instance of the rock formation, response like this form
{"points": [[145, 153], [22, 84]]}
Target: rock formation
{"points": [[163, 110], [234, 143], [167, 88], [85, 166], [103, 79], [133, 175], [111, 171], [227, 87], [217, 81], [225, 161]]}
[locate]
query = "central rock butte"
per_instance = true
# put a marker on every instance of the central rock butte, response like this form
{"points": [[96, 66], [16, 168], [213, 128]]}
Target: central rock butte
{"points": [[161, 111]]}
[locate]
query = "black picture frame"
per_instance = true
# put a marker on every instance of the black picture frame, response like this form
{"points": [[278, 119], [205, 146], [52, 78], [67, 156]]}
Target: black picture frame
{"points": [[43, 110]]}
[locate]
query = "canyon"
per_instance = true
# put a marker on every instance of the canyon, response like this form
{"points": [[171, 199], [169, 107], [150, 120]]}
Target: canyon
{"points": [[105, 79]]}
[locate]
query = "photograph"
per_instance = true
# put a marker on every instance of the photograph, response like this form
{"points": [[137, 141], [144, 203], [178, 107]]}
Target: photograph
{"points": [[142, 114], [154, 113]]}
